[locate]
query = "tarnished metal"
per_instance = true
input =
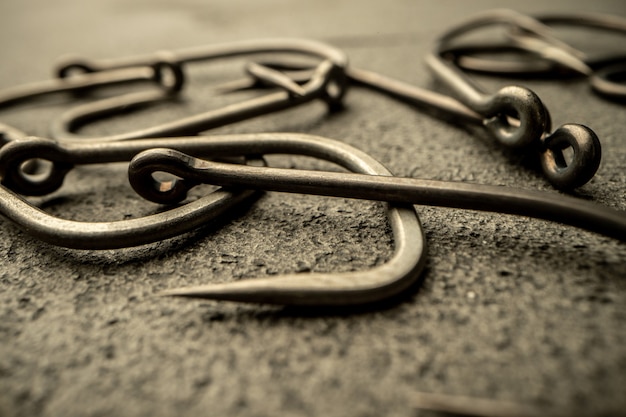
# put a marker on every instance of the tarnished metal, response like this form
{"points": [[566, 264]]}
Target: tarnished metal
{"points": [[515, 115], [327, 82], [565, 174], [305, 289], [381, 282], [121, 233], [538, 53], [508, 200], [454, 405]]}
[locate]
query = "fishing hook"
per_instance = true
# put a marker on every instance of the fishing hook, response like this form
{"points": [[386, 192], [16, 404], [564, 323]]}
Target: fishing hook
{"points": [[378, 283], [122, 233], [191, 171], [168, 76], [532, 129], [165, 74], [326, 83], [538, 56], [563, 174]]}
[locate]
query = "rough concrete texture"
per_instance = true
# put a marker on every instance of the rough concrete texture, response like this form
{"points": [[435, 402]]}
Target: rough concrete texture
{"points": [[509, 308]]}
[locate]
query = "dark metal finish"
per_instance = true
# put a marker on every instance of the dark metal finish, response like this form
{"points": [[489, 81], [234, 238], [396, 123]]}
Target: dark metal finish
{"points": [[153, 73], [328, 80], [538, 54], [327, 83], [515, 115], [302, 289], [122, 233], [563, 174], [543, 205]]}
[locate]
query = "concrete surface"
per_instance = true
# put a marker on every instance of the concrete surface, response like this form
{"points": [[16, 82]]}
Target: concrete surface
{"points": [[509, 308]]}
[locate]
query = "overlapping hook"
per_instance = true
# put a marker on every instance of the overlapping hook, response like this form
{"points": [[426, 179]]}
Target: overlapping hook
{"points": [[193, 171], [163, 73], [400, 272], [327, 82], [565, 174], [515, 115], [541, 54]]}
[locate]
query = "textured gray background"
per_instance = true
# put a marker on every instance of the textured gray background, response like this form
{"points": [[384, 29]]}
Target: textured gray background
{"points": [[509, 308]]}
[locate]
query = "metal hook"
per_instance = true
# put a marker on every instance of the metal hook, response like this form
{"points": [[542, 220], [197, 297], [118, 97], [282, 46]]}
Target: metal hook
{"points": [[115, 234], [330, 288], [153, 73], [562, 173], [532, 131], [541, 55], [399, 273], [193, 171], [122, 233], [327, 83], [477, 407], [165, 74]]}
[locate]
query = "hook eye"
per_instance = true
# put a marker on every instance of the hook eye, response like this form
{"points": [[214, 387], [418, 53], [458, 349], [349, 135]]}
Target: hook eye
{"points": [[335, 88], [71, 66], [570, 156], [18, 174], [146, 164], [516, 116], [169, 73]]}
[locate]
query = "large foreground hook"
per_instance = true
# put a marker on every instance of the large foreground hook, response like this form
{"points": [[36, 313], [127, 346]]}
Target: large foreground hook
{"points": [[327, 82], [193, 171], [347, 289], [399, 273]]}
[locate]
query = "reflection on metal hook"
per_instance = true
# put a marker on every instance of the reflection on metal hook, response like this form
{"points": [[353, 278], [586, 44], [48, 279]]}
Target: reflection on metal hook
{"points": [[193, 171], [122, 233], [563, 174]]}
